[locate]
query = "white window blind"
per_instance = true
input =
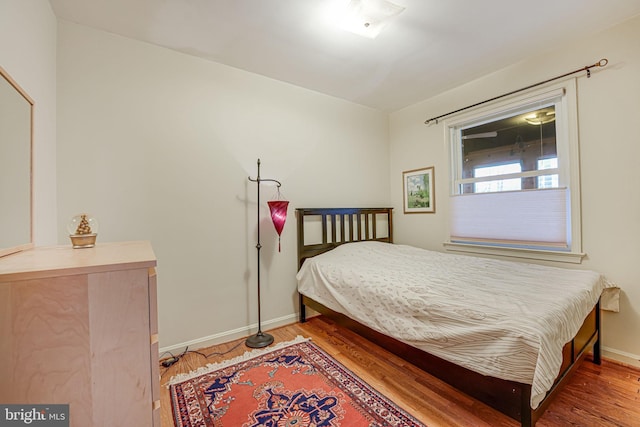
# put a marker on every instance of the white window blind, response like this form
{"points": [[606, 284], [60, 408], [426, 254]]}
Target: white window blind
{"points": [[530, 218]]}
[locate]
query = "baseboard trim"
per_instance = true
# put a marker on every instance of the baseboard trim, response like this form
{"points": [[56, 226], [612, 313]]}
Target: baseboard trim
{"points": [[234, 334], [231, 335], [621, 356]]}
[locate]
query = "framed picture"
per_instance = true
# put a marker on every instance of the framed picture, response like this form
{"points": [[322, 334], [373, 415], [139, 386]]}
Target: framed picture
{"points": [[419, 194]]}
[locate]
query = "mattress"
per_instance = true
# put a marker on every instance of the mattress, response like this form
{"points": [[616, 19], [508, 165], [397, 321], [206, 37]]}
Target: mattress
{"points": [[504, 319]]}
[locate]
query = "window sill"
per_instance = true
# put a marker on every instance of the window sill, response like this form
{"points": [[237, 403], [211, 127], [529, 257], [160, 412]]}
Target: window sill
{"points": [[544, 255]]}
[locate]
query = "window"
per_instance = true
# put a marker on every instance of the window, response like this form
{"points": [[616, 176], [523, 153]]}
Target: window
{"points": [[513, 168]]}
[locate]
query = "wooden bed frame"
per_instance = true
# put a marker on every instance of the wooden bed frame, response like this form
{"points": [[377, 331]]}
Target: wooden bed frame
{"points": [[337, 226]]}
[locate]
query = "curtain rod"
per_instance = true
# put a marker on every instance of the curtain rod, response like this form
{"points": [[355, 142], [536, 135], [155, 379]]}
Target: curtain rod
{"points": [[587, 68]]}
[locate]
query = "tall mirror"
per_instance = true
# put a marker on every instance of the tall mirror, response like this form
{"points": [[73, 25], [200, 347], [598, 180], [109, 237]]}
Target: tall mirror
{"points": [[16, 138]]}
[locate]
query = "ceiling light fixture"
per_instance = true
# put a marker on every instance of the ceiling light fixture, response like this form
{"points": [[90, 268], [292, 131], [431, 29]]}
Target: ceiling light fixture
{"points": [[540, 118], [368, 17]]}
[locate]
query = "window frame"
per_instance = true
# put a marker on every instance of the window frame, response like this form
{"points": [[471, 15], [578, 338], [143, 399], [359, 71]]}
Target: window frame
{"points": [[563, 95]]}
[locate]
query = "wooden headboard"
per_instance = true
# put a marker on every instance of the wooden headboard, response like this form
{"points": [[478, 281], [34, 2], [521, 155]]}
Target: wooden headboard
{"points": [[336, 226]]}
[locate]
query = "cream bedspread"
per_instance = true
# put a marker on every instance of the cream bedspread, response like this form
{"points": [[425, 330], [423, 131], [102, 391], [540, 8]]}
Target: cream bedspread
{"points": [[504, 319]]}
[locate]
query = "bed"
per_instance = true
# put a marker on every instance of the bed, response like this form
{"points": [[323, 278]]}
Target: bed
{"points": [[535, 340]]}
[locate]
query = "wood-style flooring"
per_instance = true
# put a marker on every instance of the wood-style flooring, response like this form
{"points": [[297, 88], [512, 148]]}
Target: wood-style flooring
{"points": [[605, 395]]}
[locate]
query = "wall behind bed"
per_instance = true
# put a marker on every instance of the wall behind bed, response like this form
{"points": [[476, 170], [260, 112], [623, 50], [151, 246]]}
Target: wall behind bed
{"points": [[609, 107], [158, 145]]}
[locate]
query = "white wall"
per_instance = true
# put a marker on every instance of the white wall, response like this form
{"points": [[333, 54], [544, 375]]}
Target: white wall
{"points": [[158, 145], [609, 107], [28, 54]]}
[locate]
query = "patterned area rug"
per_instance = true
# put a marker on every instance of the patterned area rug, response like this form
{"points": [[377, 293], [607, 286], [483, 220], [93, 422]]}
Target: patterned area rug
{"points": [[293, 384]]}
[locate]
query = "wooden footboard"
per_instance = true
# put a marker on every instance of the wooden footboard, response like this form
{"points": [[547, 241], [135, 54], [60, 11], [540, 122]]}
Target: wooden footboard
{"points": [[339, 226]]}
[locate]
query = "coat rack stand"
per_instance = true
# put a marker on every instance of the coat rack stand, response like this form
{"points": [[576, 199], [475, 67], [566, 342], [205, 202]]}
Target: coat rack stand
{"points": [[260, 339]]}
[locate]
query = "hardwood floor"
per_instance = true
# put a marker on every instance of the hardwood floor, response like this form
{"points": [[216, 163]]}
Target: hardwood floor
{"points": [[605, 395]]}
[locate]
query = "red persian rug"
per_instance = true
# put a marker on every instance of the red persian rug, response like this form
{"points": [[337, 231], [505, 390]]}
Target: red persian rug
{"points": [[294, 384]]}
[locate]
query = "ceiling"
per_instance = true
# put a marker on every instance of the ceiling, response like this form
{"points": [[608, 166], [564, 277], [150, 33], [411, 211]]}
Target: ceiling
{"points": [[432, 46]]}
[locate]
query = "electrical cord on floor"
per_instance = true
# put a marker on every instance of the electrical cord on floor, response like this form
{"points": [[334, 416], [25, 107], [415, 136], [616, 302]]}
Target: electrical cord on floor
{"points": [[172, 360], [224, 352]]}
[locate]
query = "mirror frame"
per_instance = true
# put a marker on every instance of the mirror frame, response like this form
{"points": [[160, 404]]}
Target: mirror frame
{"points": [[30, 243]]}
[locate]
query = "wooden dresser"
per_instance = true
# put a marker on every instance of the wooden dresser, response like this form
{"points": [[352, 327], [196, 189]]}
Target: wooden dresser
{"points": [[79, 326]]}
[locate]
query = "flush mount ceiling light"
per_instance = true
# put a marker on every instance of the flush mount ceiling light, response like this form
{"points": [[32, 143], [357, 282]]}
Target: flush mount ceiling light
{"points": [[368, 17], [540, 117]]}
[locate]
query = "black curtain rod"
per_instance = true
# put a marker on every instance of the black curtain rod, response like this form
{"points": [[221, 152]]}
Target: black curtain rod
{"points": [[587, 68]]}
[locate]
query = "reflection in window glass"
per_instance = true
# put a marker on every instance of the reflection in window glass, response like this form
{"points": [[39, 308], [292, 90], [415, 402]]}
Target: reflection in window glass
{"points": [[523, 139], [511, 184], [548, 181]]}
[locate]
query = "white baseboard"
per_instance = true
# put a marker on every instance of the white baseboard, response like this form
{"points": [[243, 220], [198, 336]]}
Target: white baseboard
{"points": [[621, 356], [226, 336], [231, 335]]}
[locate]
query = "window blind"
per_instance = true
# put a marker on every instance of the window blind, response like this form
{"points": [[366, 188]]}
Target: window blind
{"points": [[529, 218]]}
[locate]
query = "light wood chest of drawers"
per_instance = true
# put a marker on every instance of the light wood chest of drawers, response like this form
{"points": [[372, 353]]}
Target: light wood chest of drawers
{"points": [[79, 326]]}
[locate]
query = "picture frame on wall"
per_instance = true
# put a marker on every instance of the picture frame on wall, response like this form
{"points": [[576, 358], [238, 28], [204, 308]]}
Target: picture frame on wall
{"points": [[419, 191]]}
